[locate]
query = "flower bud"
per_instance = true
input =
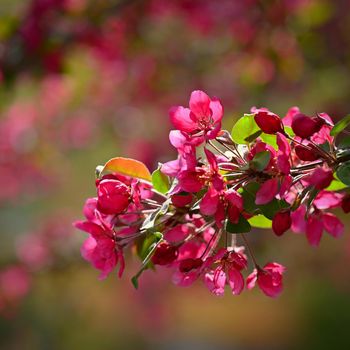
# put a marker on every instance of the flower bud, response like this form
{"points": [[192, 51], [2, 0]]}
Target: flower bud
{"points": [[306, 154], [345, 204], [113, 196], [182, 199], [268, 122], [165, 254], [304, 126], [281, 222]]}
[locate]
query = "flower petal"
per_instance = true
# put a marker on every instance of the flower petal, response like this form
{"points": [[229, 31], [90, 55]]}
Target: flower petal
{"points": [[180, 118], [267, 192], [199, 105], [236, 281], [332, 225], [314, 228]]}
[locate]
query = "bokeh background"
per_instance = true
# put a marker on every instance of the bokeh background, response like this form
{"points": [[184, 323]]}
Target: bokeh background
{"points": [[82, 81]]}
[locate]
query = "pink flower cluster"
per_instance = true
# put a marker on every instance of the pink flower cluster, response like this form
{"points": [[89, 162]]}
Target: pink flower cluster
{"points": [[188, 216]]}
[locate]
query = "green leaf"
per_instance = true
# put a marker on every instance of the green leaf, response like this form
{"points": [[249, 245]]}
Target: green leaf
{"points": [[249, 194], [145, 263], [160, 181], [242, 225], [146, 245], [343, 173], [344, 143], [270, 209], [289, 131], [340, 126], [270, 140], [336, 185], [244, 128], [260, 221], [260, 161]]}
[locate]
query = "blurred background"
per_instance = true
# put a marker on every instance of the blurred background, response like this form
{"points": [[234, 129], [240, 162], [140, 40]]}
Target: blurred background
{"points": [[82, 81]]}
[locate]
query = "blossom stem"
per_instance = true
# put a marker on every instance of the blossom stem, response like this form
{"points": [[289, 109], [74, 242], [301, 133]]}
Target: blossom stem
{"points": [[218, 149], [235, 150], [250, 250], [208, 248], [150, 202]]}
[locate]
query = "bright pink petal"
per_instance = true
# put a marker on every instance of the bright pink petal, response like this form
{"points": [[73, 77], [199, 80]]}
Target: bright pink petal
{"points": [[287, 120], [177, 139], [236, 281], [211, 159], [177, 233], [283, 164], [285, 185], [215, 281], [87, 248], [234, 198], [283, 144], [90, 227], [314, 228], [251, 279], [184, 279], [89, 208], [199, 105], [267, 192], [332, 225], [211, 134], [298, 220], [171, 168], [270, 279], [321, 177], [327, 200], [190, 182], [209, 202], [217, 110], [220, 215], [180, 118]]}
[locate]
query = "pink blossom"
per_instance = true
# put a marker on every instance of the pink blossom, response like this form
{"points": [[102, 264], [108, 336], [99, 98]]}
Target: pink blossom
{"points": [[102, 254], [269, 278], [203, 118], [316, 221], [227, 272]]}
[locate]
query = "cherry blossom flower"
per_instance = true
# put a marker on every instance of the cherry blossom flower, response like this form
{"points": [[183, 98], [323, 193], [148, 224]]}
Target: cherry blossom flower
{"points": [[269, 279], [202, 119]]}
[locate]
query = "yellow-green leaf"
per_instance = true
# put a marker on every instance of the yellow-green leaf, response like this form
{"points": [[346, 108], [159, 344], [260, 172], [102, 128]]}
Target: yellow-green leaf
{"points": [[260, 221], [129, 167]]}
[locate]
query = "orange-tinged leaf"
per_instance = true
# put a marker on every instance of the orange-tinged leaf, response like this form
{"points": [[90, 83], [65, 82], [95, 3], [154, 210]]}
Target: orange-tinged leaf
{"points": [[129, 167]]}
